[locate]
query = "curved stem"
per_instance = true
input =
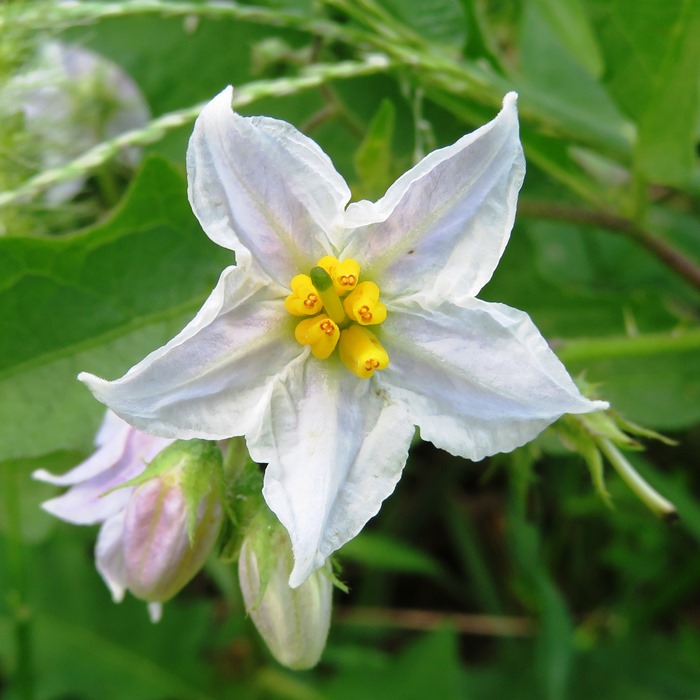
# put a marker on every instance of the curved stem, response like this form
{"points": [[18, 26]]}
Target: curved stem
{"points": [[312, 77], [649, 496], [587, 349], [665, 252]]}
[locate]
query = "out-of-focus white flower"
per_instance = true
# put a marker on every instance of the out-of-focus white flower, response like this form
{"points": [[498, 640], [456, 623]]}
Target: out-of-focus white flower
{"points": [[152, 541], [294, 622], [72, 99]]}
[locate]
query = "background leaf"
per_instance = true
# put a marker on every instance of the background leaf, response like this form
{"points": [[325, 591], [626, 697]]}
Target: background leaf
{"points": [[95, 301]]}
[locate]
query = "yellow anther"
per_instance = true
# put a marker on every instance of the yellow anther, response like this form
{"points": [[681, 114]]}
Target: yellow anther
{"points": [[304, 299], [361, 352], [321, 333], [363, 305], [344, 274]]}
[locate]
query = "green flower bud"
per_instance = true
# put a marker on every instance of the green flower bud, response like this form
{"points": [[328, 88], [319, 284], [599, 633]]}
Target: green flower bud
{"points": [[294, 622]]}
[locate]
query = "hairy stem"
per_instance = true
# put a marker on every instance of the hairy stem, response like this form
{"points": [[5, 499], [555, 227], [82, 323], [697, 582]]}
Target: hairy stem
{"points": [[312, 77]]}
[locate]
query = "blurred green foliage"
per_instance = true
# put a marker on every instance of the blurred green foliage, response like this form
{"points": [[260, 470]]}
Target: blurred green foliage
{"points": [[573, 600]]}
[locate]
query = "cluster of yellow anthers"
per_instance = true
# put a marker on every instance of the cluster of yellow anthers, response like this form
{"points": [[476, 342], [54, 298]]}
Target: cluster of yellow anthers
{"points": [[341, 307]]}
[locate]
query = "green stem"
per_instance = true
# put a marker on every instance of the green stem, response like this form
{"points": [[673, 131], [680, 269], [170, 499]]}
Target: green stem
{"points": [[674, 259], [312, 77], [585, 350], [17, 592], [652, 499], [54, 16]]}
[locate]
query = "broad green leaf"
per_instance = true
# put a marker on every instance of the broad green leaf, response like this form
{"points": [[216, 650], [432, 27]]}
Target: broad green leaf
{"points": [[35, 524], [385, 553], [373, 158], [440, 21], [652, 55], [77, 660], [558, 87], [98, 301], [667, 130], [568, 20]]}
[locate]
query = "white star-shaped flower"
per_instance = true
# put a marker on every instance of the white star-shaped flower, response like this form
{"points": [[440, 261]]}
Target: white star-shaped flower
{"points": [[344, 326]]}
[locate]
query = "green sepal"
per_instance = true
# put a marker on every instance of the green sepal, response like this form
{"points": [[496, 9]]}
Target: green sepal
{"points": [[574, 434], [242, 488], [333, 573], [641, 431], [196, 464], [270, 542], [201, 475]]}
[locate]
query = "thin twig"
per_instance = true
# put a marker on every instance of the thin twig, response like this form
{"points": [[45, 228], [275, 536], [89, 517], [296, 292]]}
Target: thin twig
{"points": [[422, 620], [311, 77], [664, 251]]}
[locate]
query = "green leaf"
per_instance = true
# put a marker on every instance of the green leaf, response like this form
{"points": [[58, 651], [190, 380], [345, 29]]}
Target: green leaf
{"points": [[553, 82], [441, 21], [373, 157], [35, 524], [428, 668], [388, 554], [652, 53], [554, 643], [568, 20], [667, 131], [97, 301]]}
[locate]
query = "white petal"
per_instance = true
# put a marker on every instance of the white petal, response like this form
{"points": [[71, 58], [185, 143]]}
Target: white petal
{"points": [[441, 228], [86, 505], [263, 189], [477, 379], [123, 454], [213, 379], [112, 429], [112, 439], [109, 556], [335, 449]]}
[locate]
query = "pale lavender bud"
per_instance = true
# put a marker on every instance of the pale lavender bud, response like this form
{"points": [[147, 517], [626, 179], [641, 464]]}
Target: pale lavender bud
{"points": [[159, 522], [172, 520], [294, 622]]}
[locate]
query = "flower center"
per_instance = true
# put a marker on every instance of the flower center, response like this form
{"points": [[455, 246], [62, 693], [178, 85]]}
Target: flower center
{"points": [[340, 308]]}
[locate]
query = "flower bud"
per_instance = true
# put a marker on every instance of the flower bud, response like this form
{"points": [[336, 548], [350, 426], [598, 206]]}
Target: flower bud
{"points": [[172, 520], [294, 622]]}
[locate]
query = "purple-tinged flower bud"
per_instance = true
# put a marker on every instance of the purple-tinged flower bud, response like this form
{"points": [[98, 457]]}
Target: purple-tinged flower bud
{"points": [[172, 520], [154, 552], [294, 622]]}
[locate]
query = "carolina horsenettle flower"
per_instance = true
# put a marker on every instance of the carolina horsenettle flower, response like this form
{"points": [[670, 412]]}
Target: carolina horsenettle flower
{"points": [[343, 326]]}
